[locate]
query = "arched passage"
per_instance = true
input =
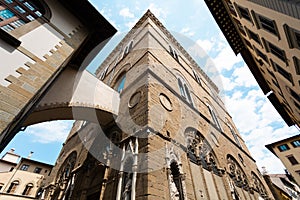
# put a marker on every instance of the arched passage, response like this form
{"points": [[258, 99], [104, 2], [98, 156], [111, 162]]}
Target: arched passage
{"points": [[83, 97]]}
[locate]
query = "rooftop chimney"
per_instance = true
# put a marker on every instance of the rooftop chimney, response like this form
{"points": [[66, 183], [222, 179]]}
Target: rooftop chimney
{"points": [[30, 154]]}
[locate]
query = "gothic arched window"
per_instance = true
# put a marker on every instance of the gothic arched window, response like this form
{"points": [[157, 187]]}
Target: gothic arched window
{"points": [[236, 173], [184, 90], [234, 135], [120, 83], [173, 53], [128, 48], [214, 116], [258, 186]]}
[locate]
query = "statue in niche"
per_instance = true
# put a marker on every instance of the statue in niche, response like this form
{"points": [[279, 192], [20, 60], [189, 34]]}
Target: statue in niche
{"points": [[174, 190], [126, 195]]}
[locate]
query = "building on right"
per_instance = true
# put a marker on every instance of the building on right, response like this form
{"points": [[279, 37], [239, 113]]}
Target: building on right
{"points": [[267, 35], [288, 151]]}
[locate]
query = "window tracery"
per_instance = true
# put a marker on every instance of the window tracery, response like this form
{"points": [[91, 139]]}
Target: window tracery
{"points": [[237, 174], [184, 90], [200, 152], [258, 186]]}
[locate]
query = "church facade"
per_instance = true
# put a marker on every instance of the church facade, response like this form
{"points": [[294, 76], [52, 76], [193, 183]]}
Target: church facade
{"points": [[172, 138]]}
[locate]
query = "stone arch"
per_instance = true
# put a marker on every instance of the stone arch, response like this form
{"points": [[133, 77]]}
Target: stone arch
{"points": [[200, 151], [81, 98], [119, 73], [236, 173], [257, 186], [64, 177], [68, 165]]}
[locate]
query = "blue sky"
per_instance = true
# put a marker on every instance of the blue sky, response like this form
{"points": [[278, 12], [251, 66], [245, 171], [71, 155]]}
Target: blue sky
{"points": [[256, 119]]}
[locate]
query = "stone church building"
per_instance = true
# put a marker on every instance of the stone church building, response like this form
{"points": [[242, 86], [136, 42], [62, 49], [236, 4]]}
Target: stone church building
{"points": [[171, 139]]}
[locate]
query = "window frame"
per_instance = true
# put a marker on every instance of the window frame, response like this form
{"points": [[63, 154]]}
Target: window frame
{"points": [[273, 29], [261, 55], [13, 186], [119, 86], [292, 35], [287, 75], [24, 167], [297, 64], [235, 136], [27, 190], [254, 36], [295, 143], [37, 170], [292, 159], [214, 116], [184, 90], [173, 53], [242, 14], [276, 51], [283, 147]]}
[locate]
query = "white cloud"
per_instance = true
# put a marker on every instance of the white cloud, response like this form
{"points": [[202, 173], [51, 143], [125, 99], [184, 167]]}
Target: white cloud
{"points": [[226, 59], [125, 12], [242, 108], [205, 44], [187, 32], [48, 132], [243, 77]]}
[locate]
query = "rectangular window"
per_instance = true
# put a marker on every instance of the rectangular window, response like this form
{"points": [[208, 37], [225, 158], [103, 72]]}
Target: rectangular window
{"points": [[270, 72], [297, 64], [297, 105], [283, 147], [254, 36], [268, 25], [248, 44], [240, 26], [6, 14], [38, 13], [30, 17], [29, 6], [19, 9], [295, 95], [275, 83], [9, 1], [24, 167], [244, 12], [231, 8], [276, 51], [296, 143], [284, 73], [293, 36], [262, 55], [7, 28], [37, 170], [292, 159]]}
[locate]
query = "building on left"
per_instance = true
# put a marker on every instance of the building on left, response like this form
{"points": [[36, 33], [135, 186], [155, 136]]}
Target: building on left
{"points": [[22, 178], [39, 41]]}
